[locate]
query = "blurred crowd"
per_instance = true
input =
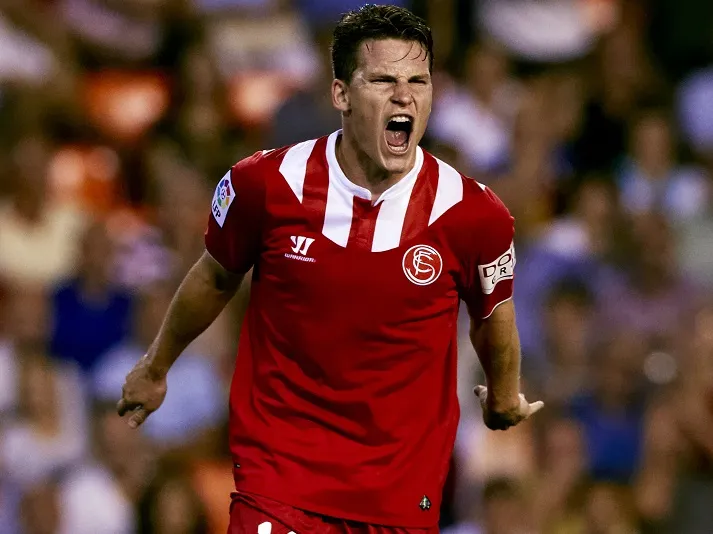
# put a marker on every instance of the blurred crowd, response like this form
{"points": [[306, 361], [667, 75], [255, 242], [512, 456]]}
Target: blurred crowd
{"points": [[591, 119]]}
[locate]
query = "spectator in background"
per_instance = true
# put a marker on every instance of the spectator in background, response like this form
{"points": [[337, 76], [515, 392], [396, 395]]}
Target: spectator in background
{"points": [[49, 434], [325, 13], [657, 480], [502, 508], [694, 111], [651, 178], [23, 57], [91, 314], [38, 238], [612, 414], [40, 510], [622, 78], [182, 192], [171, 505], [100, 495], [117, 33], [477, 118], [527, 185], [8, 361], [562, 370], [182, 195], [694, 107], [609, 509], [548, 31], [647, 293], [272, 57], [308, 112], [505, 508], [202, 118], [587, 229], [692, 512], [38, 69], [23, 327], [563, 473], [195, 404]]}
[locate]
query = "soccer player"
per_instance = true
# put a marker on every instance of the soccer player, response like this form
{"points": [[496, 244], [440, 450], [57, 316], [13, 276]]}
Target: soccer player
{"points": [[343, 407]]}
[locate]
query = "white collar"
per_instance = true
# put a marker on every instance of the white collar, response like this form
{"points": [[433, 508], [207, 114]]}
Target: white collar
{"points": [[336, 172]]}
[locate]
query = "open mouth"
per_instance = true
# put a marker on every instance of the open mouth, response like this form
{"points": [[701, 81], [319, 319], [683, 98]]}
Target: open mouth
{"points": [[398, 133]]}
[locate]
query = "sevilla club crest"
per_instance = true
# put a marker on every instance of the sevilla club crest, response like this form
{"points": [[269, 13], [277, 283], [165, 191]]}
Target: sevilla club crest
{"points": [[422, 265]]}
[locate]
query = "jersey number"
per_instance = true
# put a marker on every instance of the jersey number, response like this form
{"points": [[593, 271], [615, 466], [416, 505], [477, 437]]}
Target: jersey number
{"points": [[266, 528]]}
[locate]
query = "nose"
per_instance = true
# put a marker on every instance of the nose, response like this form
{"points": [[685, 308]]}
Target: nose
{"points": [[402, 93]]}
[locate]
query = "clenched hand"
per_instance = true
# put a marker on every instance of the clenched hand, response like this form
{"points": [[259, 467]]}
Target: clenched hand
{"points": [[502, 420], [142, 394]]}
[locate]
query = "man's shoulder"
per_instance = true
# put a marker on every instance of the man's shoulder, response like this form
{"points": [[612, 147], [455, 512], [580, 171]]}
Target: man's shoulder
{"points": [[271, 160], [477, 200]]}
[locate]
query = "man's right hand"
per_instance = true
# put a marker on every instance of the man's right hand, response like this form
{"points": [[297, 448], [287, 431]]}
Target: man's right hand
{"points": [[142, 394]]}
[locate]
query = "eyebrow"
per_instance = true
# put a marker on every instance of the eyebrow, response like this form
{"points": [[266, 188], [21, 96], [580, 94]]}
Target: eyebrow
{"points": [[392, 78]]}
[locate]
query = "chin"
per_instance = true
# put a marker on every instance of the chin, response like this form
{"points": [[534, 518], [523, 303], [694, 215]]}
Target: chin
{"points": [[397, 161], [397, 166]]}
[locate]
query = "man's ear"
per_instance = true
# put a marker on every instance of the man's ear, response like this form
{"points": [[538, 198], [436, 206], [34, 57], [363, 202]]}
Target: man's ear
{"points": [[340, 96]]}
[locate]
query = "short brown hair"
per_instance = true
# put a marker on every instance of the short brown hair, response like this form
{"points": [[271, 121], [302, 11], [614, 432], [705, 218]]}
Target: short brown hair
{"points": [[375, 22]]}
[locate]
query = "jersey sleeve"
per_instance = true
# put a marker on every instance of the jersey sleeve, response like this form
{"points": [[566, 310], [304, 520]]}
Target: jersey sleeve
{"points": [[235, 223], [489, 265]]}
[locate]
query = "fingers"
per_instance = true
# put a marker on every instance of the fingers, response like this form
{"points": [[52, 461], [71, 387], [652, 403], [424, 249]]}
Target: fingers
{"points": [[535, 407], [138, 417], [504, 421], [122, 407]]}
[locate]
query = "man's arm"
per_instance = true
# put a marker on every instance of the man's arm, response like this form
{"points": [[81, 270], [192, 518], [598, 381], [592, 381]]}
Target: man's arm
{"points": [[204, 292], [497, 343]]}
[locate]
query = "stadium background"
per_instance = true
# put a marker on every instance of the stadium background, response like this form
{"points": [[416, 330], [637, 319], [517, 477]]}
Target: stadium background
{"points": [[592, 119]]}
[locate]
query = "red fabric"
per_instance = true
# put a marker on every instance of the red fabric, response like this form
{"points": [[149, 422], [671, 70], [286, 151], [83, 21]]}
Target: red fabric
{"points": [[418, 213], [343, 399], [363, 224], [316, 183], [253, 514]]}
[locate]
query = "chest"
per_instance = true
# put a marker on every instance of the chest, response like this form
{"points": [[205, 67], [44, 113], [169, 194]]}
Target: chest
{"points": [[306, 269]]}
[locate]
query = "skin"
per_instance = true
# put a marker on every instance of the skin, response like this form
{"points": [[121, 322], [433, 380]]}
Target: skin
{"points": [[497, 343], [392, 77]]}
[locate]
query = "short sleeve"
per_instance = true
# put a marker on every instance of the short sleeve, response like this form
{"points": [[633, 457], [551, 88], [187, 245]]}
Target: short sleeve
{"points": [[489, 265], [235, 223]]}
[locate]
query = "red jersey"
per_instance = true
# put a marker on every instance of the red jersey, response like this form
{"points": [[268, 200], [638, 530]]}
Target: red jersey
{"points": [[343, 400]]}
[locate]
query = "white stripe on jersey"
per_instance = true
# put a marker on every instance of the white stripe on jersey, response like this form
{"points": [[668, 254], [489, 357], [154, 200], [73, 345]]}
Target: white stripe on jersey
{"points": [[449, 192], [392, 214], [338, 212], [294, 166]]}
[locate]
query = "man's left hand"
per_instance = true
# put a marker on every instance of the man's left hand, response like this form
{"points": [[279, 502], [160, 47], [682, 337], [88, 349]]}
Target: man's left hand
{"points": [[504, 419]]}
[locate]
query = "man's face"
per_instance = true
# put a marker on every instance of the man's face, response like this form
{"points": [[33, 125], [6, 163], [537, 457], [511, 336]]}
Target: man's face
{"points": [[387, 103]]}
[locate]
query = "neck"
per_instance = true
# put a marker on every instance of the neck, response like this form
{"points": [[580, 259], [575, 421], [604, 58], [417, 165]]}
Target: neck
{"points": [[362, 170]]}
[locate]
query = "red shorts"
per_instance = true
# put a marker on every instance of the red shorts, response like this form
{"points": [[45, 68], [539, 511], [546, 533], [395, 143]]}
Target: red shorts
{"points": [[253, 514]]}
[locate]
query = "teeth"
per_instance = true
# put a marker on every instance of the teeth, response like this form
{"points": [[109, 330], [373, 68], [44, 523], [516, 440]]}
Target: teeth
{"points": [[401, 118]]}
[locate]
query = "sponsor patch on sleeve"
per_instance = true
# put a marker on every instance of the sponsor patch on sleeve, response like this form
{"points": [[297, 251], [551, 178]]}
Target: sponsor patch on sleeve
{"points": [[503, 268], [223, 197]]}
